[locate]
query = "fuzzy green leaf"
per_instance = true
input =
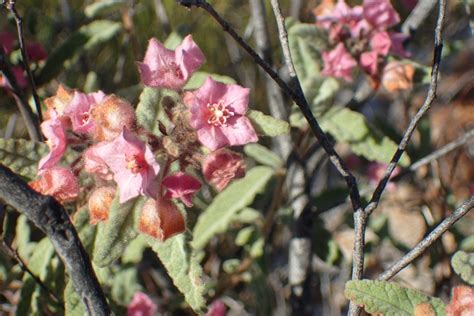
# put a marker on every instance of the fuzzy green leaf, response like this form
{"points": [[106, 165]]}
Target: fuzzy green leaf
{"points": [[134, 251], [263, 155], [389, 299], [199, 77], [463, 265], [217, 217], [102, 7], [87, 232], [352, 128], [87, 37], [266, 125], [22, 156], [72, 301], [150, 108], [119, 230], [125, 284], [180, 261]]}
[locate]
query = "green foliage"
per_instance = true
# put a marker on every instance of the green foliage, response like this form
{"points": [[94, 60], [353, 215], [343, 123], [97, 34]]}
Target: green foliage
{"points": [[87, 37], [180, 261], [241, 193], [388, 298], [87, 232], [199, 77], [352, 128], [266, 125], [114, 235], [103, 7], [263, 155], [463, 265], [24, 246], [150, 108], [134, 251], [125, 284], [72, 302], [22, 156]]}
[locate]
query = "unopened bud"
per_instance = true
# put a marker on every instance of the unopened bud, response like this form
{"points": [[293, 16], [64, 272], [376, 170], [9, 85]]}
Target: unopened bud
{"points": [[111, 115], [99, 204]]}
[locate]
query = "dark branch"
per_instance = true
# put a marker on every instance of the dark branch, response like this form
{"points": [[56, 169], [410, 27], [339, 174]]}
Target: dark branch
{"points": [[50, 216], [10, 5], [30, 119], [428, 240]]}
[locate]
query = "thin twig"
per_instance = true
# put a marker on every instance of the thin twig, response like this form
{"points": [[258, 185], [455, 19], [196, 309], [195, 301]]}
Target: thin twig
{"points": [[296, 95], [51, 217], [10, 6], [443, 150], [15, 256], [438, 47], [30, 119], [428, 240]]}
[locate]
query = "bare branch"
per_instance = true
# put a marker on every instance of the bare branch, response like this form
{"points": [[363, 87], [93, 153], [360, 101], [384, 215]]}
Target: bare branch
{"points": [[428, 240], [30, 119], [438, 47], [50, 216], [10, 6]]}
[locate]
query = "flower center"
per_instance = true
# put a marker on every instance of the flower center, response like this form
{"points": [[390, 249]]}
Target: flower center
{"points": [[85, 117], [174, 69], [219, 113], [135, 163]]}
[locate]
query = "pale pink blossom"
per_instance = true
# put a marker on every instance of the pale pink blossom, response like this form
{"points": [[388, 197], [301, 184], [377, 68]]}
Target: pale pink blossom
{"points": [[7, 41], [381, 43], [217, 308], [94, 164], [380, 13], [338, 63], [80, 111], [161, 219], [141, 305], [369, 62], [221, 167], [165, 68], [55, 134], [133, 164], [181, 186], [218, 115], [36, 51], [462, 302], [341, 14], [58, 182]]}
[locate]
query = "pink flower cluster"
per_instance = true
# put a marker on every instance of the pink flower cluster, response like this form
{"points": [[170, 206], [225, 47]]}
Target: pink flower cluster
{"points": [[361, 37], [126, 158], [34, 50]]}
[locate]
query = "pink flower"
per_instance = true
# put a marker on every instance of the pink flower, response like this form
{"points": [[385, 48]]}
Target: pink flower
{"points": [[141, 305], [80, 108], [181, 186], [217, 308], [7, 41], [36, 51], [221, 166], [376, 171], [218, 115], [161, 219], [462, 302], [58, 182], [133, 164], [60, 101], [381, 43], [164, 68], [338, 63], [397, 44], [55, 134], [342, 14], [369, 62], [380, 13], [95, 165]]}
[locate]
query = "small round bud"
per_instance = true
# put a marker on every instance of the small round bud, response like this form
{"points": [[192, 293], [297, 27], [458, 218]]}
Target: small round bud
{"points": [[99, 204], [111, 116]]}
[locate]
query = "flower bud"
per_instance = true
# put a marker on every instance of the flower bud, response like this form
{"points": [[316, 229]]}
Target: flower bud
{"points": [[58, 182], [221, 166], [111, 115], [99, 204], [161, 219]]}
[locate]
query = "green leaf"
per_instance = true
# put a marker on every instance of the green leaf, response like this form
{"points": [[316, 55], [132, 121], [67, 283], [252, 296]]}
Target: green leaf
{"points": [[173, 40], [73, 304], [247, 215], [87, 37], [134, 251], [199, 77], [217, 217], [180, 261], [267, 125], [22, 156], [103, 7], [389, 299], [150, 108], [463, 265], [119, 230], [306, 42], [24, 246], [263, 155], [87, 232], [352, 128], [125, 284]]}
